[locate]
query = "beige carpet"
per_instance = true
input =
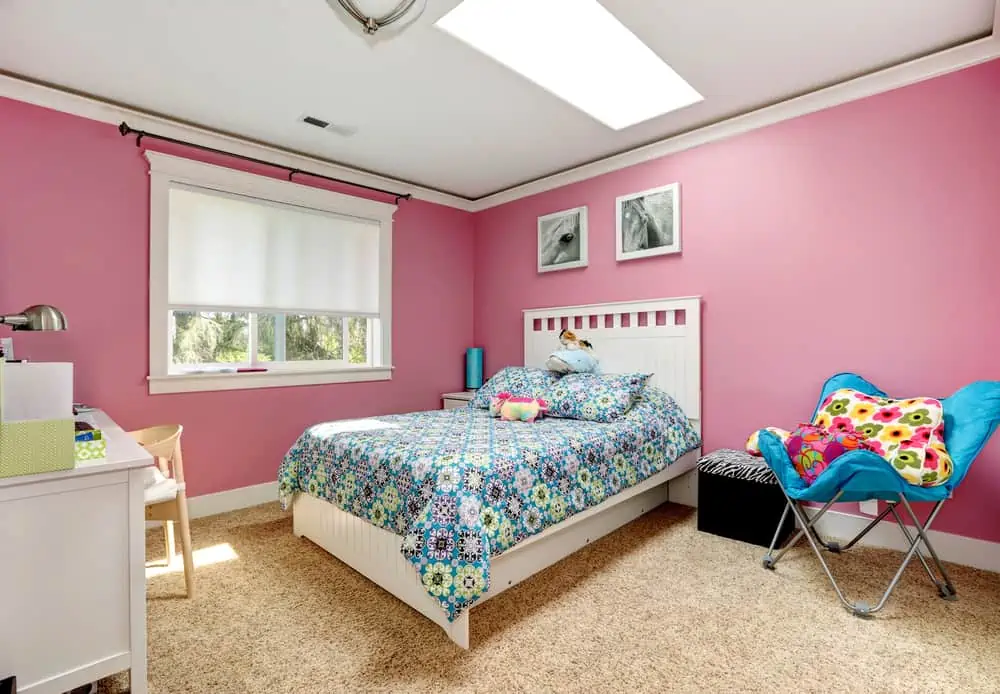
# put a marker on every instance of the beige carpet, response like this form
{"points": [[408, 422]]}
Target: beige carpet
{"points": [[654, 607]]}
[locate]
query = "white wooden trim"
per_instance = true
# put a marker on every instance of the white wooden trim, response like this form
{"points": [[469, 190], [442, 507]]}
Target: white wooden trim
{"points": [[584, 240], [901, 75], [193, 383], [93, 108], [675, 247], [958, 549], [232, 500], [165, 171], [375, 552], [904, 74], [233, 181], [672, 353]]}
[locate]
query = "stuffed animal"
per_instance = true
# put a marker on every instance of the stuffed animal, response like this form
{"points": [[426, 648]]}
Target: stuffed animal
{"points": [[517, 409], [576, 356]]}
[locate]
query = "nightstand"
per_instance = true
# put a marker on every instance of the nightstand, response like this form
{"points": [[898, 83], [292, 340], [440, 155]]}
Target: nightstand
{"points": [[453, 400]]}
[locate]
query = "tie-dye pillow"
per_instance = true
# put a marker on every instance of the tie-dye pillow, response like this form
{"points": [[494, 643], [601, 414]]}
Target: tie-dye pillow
{"points": [[812, 449], [907, 433]]}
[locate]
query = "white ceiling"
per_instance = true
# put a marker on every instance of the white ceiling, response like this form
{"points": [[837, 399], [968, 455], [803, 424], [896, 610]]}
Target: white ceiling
{"points": [[430, 110]]}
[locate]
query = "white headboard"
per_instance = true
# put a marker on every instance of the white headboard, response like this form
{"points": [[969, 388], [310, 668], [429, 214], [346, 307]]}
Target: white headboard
{"points": [[661, 336]]}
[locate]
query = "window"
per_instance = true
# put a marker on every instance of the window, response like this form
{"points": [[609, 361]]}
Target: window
{"points": [[257, 282], [552, 44]]}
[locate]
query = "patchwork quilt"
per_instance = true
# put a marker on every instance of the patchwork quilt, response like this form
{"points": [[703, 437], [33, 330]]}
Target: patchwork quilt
{"points": [[461, 487]]}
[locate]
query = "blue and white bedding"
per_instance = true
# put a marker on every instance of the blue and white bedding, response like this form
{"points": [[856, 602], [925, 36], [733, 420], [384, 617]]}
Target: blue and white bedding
{"points": [[462, 487]]}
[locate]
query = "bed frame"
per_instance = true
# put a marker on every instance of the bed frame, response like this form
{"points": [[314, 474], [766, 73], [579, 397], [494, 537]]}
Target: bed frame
{"points": [[661, 336]]}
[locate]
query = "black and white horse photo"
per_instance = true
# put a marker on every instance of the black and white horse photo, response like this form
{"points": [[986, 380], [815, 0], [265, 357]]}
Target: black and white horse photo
{"points": [[648, 223], [562, 240]]}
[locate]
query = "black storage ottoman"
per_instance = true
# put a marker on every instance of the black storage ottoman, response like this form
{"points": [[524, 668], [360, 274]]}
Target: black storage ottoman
{"points": [[739, 498]]}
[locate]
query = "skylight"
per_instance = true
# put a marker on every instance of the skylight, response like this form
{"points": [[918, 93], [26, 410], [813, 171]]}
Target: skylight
{"points": [[576, 50]]}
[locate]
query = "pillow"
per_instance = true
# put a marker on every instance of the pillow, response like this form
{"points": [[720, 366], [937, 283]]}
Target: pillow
{"points": [[752, 445], [522, 381], [813, 448], [907, 433], [514, 409], [593, 397]]}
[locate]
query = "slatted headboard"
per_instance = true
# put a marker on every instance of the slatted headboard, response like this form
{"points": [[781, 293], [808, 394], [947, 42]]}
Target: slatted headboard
{"points": [[661, 336]]}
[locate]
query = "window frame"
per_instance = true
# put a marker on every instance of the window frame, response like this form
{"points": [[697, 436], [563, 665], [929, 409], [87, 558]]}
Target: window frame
{"points": [[166, 170]]}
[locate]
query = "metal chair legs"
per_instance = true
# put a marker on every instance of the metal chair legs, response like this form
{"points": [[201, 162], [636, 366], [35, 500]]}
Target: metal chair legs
{"points": [[807, 529]]}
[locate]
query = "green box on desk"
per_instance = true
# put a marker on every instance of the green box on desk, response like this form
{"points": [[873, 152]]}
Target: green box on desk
{"points": [[36, 418], [90, 450], [41, 445]]}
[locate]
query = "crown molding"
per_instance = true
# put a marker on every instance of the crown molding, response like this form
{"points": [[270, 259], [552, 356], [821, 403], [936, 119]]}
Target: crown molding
{"points": [[901, 75], [95, 109], [904, 74]]}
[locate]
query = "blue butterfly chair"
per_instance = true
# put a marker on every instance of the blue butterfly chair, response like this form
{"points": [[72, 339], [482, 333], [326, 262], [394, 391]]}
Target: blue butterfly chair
{"points": [[971, 416]]}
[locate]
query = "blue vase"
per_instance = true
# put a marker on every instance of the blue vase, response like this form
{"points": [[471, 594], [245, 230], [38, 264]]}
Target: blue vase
{"points": [[474, 368]]}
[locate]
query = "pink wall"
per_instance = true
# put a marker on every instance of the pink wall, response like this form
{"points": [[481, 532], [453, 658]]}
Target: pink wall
{"points": [[74, 232], [778, 223], [880, 214]]}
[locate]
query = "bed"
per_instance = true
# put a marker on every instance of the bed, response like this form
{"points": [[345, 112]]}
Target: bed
{"points": [[448, 508]]}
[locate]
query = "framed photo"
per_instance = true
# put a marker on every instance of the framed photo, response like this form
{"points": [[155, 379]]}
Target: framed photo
{"points": [[562, 240], [649, 223]]}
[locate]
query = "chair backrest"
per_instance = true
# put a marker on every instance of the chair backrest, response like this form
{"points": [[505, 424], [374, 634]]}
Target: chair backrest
{"points": [[164, 444], [971, 416]]}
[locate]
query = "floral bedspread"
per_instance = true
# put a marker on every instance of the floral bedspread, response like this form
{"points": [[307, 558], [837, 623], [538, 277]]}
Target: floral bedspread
{"points": [[462, 487]]}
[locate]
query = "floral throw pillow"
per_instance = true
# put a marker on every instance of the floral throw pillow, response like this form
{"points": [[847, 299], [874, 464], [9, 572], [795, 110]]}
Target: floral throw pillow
{"points": [[907, 433], [522, 381], [593, 397]]}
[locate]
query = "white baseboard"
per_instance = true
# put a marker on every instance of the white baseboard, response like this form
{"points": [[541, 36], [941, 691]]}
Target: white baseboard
{"points": [[683, 490], [980, 554], [968, 551], [232, 499]]}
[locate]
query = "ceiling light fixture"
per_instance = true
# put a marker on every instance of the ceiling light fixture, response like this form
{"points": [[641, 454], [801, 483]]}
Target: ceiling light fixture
{"points": [[399, 16], [576, 50]]}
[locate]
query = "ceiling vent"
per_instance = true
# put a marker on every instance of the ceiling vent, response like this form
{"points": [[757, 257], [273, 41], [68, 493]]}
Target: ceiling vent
{"points": [[342, 130]]}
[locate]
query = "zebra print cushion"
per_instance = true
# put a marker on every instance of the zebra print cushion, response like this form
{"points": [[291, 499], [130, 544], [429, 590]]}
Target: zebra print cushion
{"points": [[737, 465]]}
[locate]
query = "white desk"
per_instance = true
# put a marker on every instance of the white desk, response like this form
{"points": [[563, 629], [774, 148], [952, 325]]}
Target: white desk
{"points": [[72, 571]]}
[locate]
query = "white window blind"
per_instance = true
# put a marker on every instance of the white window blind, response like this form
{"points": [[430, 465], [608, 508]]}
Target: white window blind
{"points": [[232, 252]]}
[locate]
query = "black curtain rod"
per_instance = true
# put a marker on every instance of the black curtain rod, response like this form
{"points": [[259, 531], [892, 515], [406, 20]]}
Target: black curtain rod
{"points": [[124, 129]]}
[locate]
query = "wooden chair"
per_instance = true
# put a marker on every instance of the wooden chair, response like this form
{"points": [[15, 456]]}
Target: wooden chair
{"points": [[166, 498]]}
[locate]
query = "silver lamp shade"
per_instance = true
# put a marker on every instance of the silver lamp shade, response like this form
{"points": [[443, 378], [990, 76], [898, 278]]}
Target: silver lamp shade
{"points": [[41, 317]]}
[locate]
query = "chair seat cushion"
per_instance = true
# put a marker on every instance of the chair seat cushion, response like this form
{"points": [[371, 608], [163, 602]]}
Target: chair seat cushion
{"points": [[158, 487]]}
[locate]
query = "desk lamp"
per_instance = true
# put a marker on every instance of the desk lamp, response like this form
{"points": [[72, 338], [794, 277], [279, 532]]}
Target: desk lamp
{"points": [[41, 317]]}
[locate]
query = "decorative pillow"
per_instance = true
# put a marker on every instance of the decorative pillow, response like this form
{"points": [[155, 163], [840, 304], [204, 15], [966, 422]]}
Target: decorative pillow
{"points": [[752, 445], [813, 448], [526, 381], [511, 408], [594, 398], [907, 433]]}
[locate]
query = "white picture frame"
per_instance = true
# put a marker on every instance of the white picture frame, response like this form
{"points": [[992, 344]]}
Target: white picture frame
{"points": [[556, 251], [648, 223]]}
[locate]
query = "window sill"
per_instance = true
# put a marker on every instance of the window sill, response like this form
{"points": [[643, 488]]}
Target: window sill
{"points": [[192, 383]]}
